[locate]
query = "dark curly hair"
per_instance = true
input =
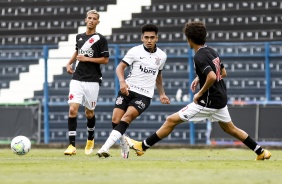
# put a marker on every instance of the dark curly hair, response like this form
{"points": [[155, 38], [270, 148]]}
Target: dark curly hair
{"points": [[196, 31], [150, 28]]}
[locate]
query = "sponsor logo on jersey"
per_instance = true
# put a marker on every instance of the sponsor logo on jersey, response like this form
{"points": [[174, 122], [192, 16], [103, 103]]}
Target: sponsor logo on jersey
{"points": [[140, 104], [119, 100], [147, 70], [89, 52], [138, 88]]}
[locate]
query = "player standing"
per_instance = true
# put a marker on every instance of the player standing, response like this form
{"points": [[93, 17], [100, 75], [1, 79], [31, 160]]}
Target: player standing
{"points": [[91, 51], [209, 102], [146, 62]]}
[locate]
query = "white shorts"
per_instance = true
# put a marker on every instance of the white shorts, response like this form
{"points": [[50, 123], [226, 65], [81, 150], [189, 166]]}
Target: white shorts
{"points": [[194, 112], [84, 93]]}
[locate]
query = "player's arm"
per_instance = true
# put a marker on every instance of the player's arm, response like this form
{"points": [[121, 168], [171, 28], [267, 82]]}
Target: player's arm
{"points": [[194, 84], [211, 78], [223, 71], [71, 61], [159, 84], [120, 75], [100, 60]]}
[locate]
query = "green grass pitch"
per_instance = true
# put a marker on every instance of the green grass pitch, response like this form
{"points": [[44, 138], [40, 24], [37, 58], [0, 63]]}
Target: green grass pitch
{"points": [[183, 166]]}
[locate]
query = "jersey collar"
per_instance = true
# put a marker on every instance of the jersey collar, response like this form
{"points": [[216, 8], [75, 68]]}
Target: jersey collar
{"points": [[154, 50]]}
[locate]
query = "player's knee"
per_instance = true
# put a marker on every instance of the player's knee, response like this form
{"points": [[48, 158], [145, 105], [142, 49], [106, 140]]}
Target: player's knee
{"points": [[170, 122], [89, 113], [73, 111]]}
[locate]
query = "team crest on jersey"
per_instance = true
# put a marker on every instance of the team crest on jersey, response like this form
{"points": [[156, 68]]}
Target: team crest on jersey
{"points": [[119, 100], [91, 40], [158, 60]]}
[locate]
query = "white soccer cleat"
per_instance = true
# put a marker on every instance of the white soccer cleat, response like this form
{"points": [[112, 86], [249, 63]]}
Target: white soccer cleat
{"points": [[124, 150], [103, 153]]}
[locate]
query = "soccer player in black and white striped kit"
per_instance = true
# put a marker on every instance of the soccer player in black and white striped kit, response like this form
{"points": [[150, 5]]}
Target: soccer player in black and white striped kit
{"points": [[146, 62], [210, 102], [91, 51]]}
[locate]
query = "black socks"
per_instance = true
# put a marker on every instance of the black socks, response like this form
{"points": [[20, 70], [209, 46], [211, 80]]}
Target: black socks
{"points": [[72, 124], [91, 127], [150, 141], [253, 145]]}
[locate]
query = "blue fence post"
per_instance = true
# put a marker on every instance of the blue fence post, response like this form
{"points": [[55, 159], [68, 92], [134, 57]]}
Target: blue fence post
{"points": [[267, 72], [46, 96], [116, 59], [191, 78]]}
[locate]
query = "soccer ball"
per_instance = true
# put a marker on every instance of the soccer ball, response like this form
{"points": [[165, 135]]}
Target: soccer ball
{"points": [[20, 145]]}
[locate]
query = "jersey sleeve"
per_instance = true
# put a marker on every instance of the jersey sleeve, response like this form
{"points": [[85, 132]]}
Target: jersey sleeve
{"points": [[76, 46], [104, 47], [164, 58], [130, 56]]}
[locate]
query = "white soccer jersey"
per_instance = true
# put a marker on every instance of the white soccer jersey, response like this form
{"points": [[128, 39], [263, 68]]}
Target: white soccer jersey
{"points": [[144, 69]]}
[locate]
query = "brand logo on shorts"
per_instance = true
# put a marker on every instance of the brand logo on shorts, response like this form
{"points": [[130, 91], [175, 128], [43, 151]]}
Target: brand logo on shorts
{"points": [[119, 100], [140, 104]]}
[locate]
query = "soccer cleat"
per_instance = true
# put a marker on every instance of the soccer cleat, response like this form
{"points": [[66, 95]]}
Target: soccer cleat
{"points": [[89, 147], [103, 153], [135, 145], [124, 150], [71, 150], [264, 155]]}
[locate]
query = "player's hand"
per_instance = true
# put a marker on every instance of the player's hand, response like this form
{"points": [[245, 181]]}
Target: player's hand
{"points": [[196, 98], [69, 69], [124, 88], [194, 84], [164, 99], [81, 58]]}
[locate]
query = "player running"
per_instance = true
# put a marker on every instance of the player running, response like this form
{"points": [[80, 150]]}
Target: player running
{"points": [[146, 62]]}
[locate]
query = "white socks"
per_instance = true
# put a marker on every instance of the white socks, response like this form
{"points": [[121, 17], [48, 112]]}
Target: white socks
{"points": [[112, 139]]}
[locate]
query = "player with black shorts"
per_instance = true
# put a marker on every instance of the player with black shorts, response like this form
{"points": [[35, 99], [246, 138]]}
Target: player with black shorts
{"points": [[91, 51], [146, 62], [210, 102]]}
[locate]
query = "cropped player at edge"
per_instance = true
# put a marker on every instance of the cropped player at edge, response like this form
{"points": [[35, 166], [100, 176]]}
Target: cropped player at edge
{"points": [[146, 62], [91, 51], [209, 102]]}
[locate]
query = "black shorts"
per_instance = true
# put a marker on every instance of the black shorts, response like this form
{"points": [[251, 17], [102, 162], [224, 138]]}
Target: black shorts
{"points": [[140, 102]]}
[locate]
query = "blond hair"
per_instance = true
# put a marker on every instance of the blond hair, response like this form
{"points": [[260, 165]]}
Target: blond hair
{"points": [[93, 12]]}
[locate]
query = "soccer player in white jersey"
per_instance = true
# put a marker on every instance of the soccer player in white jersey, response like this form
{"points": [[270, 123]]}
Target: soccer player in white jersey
{"points": [[146, 62], [210, 102], [91, 51]]}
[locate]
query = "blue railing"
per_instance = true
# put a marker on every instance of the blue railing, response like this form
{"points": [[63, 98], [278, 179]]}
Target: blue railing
{"points": [[267, 51]]}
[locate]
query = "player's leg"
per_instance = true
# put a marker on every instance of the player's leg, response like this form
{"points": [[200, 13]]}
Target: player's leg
{"points": [[90, 95], [168, 126], [227, 126], [75, 99], [91, 121], [72, 125], [191, 112], [117, 115], [130, 114], [241, 135]]}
